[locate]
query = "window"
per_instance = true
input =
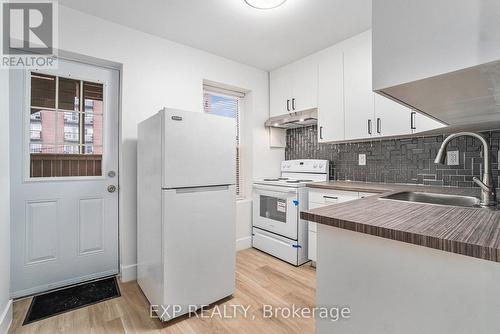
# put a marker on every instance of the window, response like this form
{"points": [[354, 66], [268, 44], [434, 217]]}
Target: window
{"points": [[226, 103], [65, 135]]}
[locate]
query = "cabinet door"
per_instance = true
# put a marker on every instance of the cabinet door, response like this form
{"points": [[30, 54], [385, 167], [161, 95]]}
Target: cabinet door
{"points": [[359, 100], [305, 87], [391, 118], [425, 123], [331, 99], [280, 92]]}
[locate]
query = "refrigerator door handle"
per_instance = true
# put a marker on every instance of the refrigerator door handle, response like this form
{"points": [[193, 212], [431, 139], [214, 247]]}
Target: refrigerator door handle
{"points": [[201, 189]]}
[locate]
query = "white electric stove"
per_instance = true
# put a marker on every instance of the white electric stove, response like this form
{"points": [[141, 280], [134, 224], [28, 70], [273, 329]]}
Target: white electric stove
{"points": [[277, 202]]}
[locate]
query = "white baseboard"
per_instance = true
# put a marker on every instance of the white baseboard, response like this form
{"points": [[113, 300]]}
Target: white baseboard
{"points": [[6, 318], [128, 272], [243, 243]]}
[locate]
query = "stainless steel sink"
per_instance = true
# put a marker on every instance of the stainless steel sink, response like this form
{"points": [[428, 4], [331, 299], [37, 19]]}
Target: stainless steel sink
{"points": [[431, 198]]}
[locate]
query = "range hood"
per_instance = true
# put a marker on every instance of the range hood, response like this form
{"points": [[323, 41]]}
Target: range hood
{"points": [[468, 97], [294, 120]]}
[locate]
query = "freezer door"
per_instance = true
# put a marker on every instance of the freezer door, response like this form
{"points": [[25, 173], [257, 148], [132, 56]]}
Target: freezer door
{"points": [[198, 149], [199, 249]]}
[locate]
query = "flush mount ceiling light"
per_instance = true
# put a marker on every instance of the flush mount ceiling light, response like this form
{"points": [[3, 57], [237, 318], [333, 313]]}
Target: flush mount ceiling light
{"points": [[265, 4]]}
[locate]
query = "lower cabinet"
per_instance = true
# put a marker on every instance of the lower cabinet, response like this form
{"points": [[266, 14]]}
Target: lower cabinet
{"points": [[323, 197]]}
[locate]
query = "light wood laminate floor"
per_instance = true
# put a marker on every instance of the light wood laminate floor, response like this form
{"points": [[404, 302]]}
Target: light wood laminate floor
{"points": [[260, 280]]}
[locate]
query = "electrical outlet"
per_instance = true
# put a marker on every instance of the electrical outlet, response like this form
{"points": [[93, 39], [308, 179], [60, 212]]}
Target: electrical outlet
{"points": [[362, 159], [452, 157]]}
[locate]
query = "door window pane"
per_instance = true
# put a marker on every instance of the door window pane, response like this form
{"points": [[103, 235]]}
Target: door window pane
{"points": [[66, 140], [70, 128], [69, 94], [93, 129], [92, 94], [43, 127], [92, 149], [43, 90]]}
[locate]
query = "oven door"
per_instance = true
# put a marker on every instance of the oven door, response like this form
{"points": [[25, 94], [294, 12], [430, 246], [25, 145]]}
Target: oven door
{"points": [[276, 209]]}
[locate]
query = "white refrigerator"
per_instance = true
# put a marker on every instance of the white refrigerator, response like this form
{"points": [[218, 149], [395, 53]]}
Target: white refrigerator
{"points": [[186, 210]]}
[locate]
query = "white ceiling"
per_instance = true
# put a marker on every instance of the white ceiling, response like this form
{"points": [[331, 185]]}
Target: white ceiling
{"points": [[266, 39]]}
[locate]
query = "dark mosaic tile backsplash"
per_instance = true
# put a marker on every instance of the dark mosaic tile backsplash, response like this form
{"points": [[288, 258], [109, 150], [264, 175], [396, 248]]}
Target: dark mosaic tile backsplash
{"points": [[409, 160]]}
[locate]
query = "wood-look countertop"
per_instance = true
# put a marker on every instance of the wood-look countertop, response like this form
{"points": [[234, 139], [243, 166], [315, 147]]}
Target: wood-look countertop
{"points": [[468, 231]]}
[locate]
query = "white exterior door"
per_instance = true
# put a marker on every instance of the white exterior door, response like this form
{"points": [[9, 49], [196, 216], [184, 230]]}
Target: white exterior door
{"points": [[64, 165]]}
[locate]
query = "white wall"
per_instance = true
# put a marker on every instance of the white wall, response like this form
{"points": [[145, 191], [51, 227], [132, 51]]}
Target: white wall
{"points": [[158, 73], [392, 287], [5, 303]]}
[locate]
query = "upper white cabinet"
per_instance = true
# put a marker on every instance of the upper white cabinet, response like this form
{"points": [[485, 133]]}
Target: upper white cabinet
{"points": [[440, 57], [294, 88], [358, 95], [281, 88], [422, 123], [331, 98], [391, 118], [413, 40], [338, 82], [345, 79], [305, 87]]}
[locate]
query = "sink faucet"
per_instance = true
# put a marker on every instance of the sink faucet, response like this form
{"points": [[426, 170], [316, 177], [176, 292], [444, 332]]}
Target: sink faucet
{"points": [[486, 184]]}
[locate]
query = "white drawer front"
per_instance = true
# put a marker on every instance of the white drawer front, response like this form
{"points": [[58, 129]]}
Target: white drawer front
{"points": [[313, 226], [275, 245], [328, 197]]}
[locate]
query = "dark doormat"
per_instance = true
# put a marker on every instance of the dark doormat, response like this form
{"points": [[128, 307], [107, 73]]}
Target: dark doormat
{"points": [[70, 298]]}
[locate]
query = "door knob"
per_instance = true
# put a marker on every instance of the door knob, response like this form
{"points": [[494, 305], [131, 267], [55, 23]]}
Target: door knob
{"points": [[111, 188]]}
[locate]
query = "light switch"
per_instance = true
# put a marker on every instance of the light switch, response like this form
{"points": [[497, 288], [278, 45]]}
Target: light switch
{"points": [[362, 159]]}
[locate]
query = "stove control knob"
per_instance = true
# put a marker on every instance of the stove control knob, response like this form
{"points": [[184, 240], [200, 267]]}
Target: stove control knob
{"points": [[315, 166], [320, 165]]}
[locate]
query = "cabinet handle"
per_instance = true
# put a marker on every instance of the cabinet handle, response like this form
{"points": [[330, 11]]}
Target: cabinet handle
{"points": [[330, 197], [288, 105], [320, 132], [379, 125], [412, 120], [369, 126], [293, 104]]}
